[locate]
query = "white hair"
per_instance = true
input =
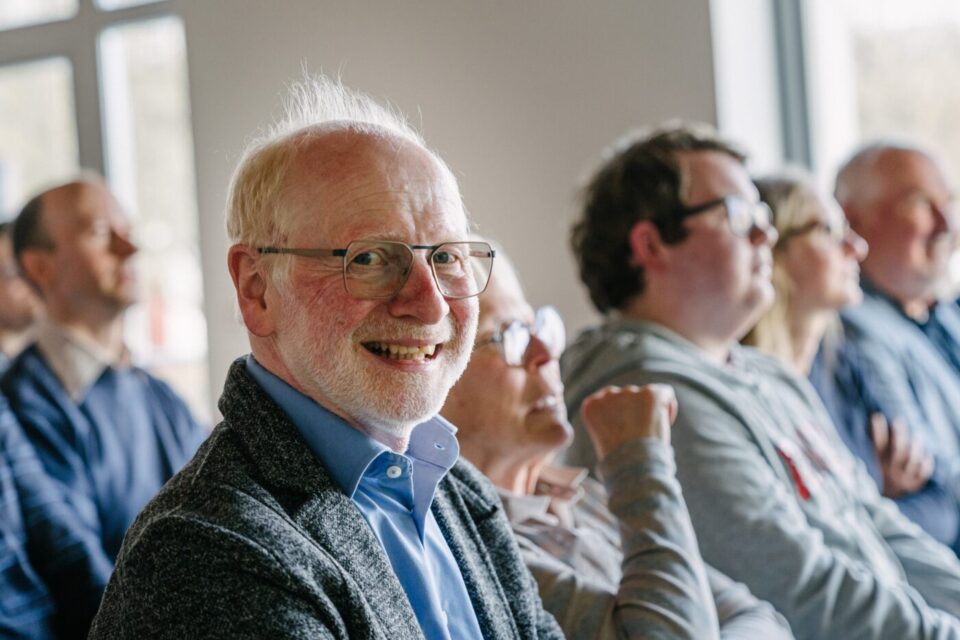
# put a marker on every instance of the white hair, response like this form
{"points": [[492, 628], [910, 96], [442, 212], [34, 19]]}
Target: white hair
{"points": [[316, 104]]}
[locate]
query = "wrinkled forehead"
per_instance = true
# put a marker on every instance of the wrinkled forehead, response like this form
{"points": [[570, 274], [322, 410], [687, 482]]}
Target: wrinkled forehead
{"points": [[346, 184]]}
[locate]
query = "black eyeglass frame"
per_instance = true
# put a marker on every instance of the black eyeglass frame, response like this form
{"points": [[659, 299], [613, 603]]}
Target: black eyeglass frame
{"points": [[729, 203], [484, 248]]}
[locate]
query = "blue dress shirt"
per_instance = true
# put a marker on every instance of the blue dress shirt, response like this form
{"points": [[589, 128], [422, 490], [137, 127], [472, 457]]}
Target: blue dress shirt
{"points": [[886, 364], [26, 609], [942, 328], [394, 493]]}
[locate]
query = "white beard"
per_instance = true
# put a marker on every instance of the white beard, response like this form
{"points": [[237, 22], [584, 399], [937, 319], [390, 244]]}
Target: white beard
{"points": [[386, 400]]}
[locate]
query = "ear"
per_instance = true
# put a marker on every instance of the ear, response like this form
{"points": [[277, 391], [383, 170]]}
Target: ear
{"points": [[37, 267], [646, 246], [251, 285]]}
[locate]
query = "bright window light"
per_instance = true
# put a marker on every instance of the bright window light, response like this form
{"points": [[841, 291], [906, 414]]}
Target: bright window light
{"points": [[38, 131]]}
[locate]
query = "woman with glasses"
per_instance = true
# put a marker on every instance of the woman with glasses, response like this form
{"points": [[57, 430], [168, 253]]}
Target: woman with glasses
{"points": [[816, 273], [612, 560]]}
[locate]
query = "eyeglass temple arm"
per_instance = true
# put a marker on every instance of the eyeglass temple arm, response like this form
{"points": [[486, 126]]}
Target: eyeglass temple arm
{"points": [[307, 253]]}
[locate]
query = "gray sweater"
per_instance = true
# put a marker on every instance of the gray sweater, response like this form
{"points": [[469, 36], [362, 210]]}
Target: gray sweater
{"points": [[776, 500], [253, 540], [625, 564]]}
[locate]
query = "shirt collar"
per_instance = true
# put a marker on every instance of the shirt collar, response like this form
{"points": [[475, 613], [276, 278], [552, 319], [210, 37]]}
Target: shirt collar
{"points": [[871, 289], [76, 360], [343, 450], [557, 491]]}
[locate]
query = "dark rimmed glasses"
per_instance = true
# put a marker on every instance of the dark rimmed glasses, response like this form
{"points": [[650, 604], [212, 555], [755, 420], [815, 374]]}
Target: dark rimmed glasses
{"points": [[513, 338], [743, 215], [379, 268]]}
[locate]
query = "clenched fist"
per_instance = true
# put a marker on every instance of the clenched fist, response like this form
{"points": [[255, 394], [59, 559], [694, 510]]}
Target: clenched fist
{"points": [[615, 415]]}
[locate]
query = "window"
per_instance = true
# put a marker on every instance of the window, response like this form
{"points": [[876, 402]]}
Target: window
{"points": [[38, 129], [128, 117], [882, 68], [19, 13]]}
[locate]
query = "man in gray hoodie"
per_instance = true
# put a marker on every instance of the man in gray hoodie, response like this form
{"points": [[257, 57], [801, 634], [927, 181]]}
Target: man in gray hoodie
{"points": [[675, 247]]}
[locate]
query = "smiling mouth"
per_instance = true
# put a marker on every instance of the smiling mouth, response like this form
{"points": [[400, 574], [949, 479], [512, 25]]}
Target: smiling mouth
{"points": [[392, 351]]}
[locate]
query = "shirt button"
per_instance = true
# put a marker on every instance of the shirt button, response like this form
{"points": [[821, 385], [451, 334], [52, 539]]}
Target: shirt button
{"points": [[446, 620], [394, 472]]}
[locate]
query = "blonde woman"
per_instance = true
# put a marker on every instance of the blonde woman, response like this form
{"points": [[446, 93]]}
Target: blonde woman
{"points": [[816, 273]]}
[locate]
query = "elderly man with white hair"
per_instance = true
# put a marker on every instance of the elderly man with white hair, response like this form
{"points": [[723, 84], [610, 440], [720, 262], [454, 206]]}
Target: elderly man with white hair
{"points": [[330, 502], [900, 356]]}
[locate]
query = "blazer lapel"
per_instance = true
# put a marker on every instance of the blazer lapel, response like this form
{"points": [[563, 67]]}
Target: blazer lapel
{"points": [[298, 481], [461, 516], [335, 523]]}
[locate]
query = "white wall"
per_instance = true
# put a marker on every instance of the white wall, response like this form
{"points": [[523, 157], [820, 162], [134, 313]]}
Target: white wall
{"points": [[519, 96]]}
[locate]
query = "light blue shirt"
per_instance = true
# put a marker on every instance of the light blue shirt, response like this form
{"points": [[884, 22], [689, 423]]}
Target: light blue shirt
{"points": [[394, 493]]}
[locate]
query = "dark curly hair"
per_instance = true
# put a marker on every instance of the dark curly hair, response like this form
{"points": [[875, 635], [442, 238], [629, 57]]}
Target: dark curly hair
{"points": [[640, 179]]}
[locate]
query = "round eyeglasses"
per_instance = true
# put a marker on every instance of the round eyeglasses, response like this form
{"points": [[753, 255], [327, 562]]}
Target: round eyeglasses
{"points": [[513, 338], [379, 268], [743, 215]]}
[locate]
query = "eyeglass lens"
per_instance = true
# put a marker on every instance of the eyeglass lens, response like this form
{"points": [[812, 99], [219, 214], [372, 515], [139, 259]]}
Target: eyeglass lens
{"points": [[547, 327], [744, 215], [379, 269]]}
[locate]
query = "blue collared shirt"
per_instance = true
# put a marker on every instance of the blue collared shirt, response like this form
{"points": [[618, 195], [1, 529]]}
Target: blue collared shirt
{"points": [[885, 364], [394, 493], [942, 328]]}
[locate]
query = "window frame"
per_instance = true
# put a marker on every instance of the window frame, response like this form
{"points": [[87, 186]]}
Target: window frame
{"points": [[76, 39]]}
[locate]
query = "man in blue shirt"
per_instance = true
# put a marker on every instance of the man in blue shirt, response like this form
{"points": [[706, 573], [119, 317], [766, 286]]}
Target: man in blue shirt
{"points": [[19, 305], [108, 434], [26, 609], [330, 502], [899, 353]]}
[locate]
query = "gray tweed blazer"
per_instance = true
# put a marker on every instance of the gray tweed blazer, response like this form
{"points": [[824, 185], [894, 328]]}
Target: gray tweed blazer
{"points": [[253, 540]]}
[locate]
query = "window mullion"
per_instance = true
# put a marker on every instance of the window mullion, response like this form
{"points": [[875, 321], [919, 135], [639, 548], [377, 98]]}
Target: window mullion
{"points": [[87, 95]]}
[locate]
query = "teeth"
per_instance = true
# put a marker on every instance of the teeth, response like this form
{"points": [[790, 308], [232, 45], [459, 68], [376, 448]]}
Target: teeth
{"points": [[546, 402], [401, 352]]}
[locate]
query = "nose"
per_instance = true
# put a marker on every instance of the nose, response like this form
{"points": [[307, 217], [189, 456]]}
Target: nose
{"points": [[537, 354], [419, 297], [945, 218], [766, 234], [855, 246], [121, 245]]}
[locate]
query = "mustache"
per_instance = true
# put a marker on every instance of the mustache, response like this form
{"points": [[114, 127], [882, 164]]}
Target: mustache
{"points": [[381, 329]]}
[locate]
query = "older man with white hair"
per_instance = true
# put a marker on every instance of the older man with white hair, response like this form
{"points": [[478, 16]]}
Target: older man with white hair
{"points": [[900, 356], [330, 502]]}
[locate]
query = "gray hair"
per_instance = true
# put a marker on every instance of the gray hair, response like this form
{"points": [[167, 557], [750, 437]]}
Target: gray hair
{"points": [[855, 180]]}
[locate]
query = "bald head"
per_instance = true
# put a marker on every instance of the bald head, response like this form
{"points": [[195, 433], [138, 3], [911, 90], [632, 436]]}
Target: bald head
{"points": [[862, 178], [899, 199], [320, 116], [72, 244]]}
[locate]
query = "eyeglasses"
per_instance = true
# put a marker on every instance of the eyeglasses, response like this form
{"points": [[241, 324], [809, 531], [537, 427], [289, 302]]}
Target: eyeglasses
{"points": [[743, 215], [837, 232], [379, 268], [513, 338]]}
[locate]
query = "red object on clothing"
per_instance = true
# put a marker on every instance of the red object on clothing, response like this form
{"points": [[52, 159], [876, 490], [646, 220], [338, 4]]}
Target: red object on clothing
{"points": [[797, 478]]}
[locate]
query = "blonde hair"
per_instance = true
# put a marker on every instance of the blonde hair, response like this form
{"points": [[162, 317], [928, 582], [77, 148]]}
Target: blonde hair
{"points": [[791, 196], [256, 212]]}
